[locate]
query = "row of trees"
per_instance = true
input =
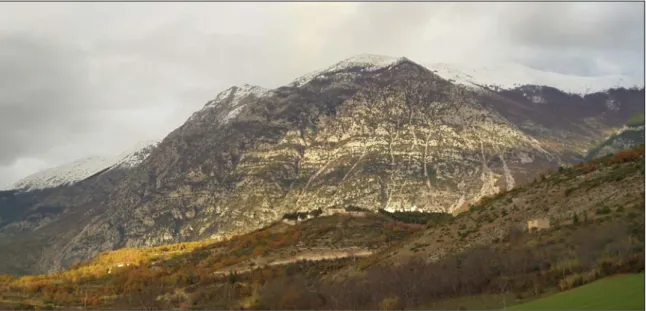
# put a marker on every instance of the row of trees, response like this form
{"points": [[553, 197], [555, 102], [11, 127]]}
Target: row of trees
{"points": [[421, 218], [319, 212]]}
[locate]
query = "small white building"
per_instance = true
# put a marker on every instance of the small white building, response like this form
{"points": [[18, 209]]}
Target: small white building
{"points": [[119, 265], [290, 222]]}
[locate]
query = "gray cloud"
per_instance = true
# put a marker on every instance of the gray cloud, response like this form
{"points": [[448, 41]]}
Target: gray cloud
{"points": [[78, 79], [584, 63], [578, 25], [42, 96], [579, 37], [377, 27]]}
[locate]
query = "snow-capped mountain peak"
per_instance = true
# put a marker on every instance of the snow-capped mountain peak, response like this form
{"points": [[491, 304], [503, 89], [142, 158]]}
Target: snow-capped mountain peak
{"points": [[230, 100], [235, 93], [73, 172], [367, 62], [511, 75], [135, 155], [65, 174]]}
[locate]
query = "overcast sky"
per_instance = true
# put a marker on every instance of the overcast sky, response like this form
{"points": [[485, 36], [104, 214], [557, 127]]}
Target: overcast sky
{"points": [[80, 79]]}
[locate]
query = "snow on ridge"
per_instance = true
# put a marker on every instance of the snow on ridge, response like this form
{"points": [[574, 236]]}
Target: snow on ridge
{"points": [[510, 75], [237, 92], [73, 172], [368, 62], [134, 156], [497, 75], [63, 175], [231, 98]]}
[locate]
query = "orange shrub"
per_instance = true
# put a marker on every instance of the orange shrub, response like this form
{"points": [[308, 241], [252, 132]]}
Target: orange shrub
{"points": [[624, 156], [259, 251]]}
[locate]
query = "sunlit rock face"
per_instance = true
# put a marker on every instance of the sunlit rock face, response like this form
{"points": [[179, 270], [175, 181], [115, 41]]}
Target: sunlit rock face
{"points": [[371, 131]]}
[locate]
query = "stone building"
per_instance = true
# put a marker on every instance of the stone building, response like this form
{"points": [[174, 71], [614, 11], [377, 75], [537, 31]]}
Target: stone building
{"points": [[538, 224], [290, 222]]}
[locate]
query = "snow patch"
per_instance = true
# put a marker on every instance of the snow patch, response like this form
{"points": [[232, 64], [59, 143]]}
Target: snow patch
{"points": [[366, 62], [135, 155], [612, 105], [230, 101], [64, 174], [537, 99], [510, 75], [496, 76], [73, 172], [235, 93], [232, 114]]}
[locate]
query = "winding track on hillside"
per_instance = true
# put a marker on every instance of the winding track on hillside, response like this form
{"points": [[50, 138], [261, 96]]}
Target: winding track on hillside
{"points": [[311, 256]]}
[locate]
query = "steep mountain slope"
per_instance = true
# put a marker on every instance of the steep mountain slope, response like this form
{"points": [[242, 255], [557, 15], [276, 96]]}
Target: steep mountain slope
{"points": [[483, 258], [364, 62], [565, 123], [398, 136], [370, 131], [566, 113], [55, 205]]}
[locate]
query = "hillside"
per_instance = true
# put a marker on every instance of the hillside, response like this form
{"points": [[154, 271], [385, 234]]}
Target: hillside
{"points": [[629, 136], [486, 259], [585, 191], [370, 131], [331, 240]]}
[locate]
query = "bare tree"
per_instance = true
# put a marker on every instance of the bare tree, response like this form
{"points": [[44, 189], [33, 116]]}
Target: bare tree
{"points": [[502, 286]]}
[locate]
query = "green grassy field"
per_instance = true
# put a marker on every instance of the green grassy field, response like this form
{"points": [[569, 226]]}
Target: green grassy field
{"points": [[613, 293]]}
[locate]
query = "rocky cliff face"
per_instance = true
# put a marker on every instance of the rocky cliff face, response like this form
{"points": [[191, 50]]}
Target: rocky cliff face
{"points": [[370, 131]]}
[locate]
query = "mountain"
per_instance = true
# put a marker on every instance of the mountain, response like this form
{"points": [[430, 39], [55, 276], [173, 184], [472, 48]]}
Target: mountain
{"points": [[484, 258], [57, 197], [371, 131], [362, 62], [70, 173]]}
